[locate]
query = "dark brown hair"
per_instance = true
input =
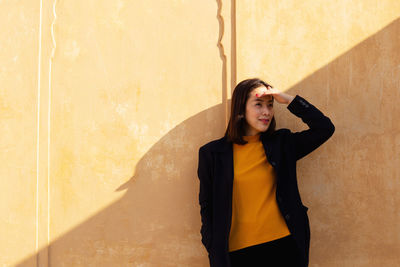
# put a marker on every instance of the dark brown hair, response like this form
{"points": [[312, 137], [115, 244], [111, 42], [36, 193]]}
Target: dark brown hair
{"points": [[237, 122]]}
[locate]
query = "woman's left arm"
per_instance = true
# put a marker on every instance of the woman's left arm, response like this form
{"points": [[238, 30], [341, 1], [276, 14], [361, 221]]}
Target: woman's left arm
{"points": [[320, 127]]}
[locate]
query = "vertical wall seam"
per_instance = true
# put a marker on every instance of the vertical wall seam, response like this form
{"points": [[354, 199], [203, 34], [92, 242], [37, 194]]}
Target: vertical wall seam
{"points": [[38, 132], [49, 128]]}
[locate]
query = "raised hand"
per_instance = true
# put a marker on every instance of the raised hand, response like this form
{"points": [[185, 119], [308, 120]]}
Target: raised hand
{"points": [[278, 95]]}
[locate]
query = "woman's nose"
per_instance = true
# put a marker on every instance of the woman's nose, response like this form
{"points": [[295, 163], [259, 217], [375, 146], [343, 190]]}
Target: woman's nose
{"points": [[266, 111]]}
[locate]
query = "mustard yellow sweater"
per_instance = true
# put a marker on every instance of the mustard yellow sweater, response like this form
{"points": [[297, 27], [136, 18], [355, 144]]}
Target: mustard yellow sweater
{"points": [[256, 217]]}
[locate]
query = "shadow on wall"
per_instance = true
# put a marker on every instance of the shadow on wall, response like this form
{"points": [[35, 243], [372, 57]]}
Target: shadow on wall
{"points": [[157, 221]]}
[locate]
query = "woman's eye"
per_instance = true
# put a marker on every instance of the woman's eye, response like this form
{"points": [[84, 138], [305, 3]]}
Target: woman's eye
{"points": [[258, 104]]}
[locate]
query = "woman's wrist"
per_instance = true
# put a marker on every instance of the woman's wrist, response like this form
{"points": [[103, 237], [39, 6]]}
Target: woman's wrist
{"points": [[286, 98], [290, 99]]}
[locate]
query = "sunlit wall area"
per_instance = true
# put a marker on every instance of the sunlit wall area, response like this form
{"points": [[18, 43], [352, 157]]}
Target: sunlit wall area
{"points": [[18, 120], [286, 41]]}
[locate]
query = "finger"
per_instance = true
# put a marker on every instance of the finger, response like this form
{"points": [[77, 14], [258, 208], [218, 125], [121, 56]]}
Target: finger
{"points": [[271, 91], [266, 91], [260, 91], [274, 91], [267, 94]]}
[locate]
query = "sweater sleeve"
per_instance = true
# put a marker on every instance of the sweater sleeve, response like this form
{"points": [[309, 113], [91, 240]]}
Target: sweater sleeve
{"points": [[320, 127]]}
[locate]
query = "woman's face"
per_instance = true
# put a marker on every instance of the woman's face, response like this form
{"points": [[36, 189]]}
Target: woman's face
{"points": [[259, 112]]}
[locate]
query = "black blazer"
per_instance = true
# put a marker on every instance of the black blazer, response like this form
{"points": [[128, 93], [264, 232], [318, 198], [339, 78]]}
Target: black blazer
{"points": [[282, 148]]}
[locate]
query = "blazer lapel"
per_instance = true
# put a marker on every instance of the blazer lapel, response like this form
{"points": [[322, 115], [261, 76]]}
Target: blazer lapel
{"points": [[224, 160], [267, 144], [271, 151]]}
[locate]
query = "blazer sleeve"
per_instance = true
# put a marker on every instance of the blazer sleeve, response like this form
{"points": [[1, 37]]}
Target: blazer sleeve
{"points": [[204, 173], [320, 127]]}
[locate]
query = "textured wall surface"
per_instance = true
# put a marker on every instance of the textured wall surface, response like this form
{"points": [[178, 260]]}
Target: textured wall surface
{"points": [[18, 71], [344, 57], [103, 105]]}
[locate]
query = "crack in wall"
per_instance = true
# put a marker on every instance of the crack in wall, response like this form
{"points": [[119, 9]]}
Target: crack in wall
{"points": [[227, 90], [223, 58], [49, 123], [38, 128]]}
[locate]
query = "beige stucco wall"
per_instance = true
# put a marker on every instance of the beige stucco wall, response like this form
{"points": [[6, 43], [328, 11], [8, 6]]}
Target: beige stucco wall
{"points": [[103, 105]]}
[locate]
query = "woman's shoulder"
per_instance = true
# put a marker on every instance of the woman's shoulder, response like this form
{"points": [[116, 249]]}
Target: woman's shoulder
{"points": [[215, 145]]}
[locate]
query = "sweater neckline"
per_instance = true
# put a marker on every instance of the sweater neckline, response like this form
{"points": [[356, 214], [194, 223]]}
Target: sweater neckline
{"points": [[252, 138]]}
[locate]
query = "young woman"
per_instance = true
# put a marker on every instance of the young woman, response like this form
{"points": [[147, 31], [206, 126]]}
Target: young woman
{"points": [[251, 210]]}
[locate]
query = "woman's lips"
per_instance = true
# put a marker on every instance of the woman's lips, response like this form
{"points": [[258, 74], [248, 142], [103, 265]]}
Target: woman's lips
{"points": [[265, 121]]}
